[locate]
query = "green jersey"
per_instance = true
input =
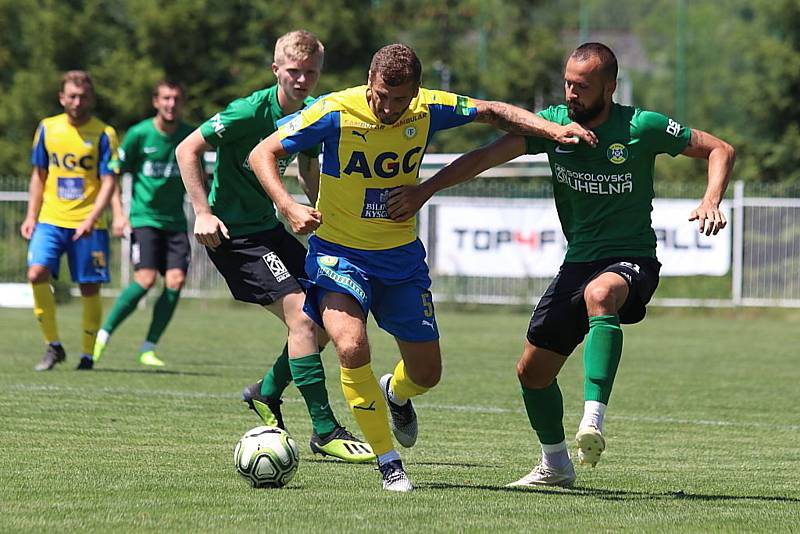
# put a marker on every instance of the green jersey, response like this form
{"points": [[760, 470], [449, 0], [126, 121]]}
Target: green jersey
{"points": [[604, 195], [236, 195], [149, 155]]}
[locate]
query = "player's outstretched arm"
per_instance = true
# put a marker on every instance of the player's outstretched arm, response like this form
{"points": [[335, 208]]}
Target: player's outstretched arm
{"points": [[520, 121], [189, 155], [405, 202], [35, 196], [264, 162], [721, 157]]}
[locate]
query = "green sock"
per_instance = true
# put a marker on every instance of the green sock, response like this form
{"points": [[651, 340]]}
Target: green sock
{"points": [[162, 313], [124, 306], [278, 377], [601, 356], [545, 409], [309, 377]]}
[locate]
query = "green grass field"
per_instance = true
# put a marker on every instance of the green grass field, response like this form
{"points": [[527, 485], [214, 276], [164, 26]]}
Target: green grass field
{"points": [[702, 432]]}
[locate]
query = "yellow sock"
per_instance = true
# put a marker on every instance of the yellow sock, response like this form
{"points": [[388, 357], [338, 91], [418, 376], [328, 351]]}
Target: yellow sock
{"points": [[44, 308], [401, 385], [92, 313], [363, 395]]}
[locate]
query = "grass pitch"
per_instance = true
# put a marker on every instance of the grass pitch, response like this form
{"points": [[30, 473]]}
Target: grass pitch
{"points": [[702, 432]]}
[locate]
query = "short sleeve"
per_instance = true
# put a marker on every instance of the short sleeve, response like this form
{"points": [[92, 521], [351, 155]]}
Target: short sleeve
{"points": [[39, 155], [235, 122], [307, 129], [107, 152], [129, 151], [449, 110], [661, 134]]}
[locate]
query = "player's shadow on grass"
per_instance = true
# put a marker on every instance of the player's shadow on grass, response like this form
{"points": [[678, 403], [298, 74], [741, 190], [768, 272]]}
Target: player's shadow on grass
{"points": [[154, 372], [455, 464], [615, 495], [320, 459]]}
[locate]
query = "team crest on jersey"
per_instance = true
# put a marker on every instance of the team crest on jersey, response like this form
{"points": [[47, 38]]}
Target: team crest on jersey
{"points": [[410, 132], [617, 153]]}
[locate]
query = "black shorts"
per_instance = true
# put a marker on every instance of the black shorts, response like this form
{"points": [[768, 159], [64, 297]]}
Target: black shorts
{"points": [[154, 248], [263, 267], [560, 320]]}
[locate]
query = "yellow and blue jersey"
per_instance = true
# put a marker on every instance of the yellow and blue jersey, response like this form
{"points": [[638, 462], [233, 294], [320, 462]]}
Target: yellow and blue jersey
{"points": [[75, 158], [363, 160]]}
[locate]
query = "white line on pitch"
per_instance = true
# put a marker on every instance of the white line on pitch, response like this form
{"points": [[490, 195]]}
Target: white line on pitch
{"points": [[479, 409]]}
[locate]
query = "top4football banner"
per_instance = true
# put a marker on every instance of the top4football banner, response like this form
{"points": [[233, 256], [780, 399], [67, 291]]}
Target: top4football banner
{"points": [[519, 239]]}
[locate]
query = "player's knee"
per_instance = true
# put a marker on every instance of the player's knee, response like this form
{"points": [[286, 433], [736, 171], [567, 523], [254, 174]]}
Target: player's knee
{"points": [[301, 325], [352, 349], [38, 275], [429, 377], [599, 297], [145, 278], [531, 378], [175, 281]]}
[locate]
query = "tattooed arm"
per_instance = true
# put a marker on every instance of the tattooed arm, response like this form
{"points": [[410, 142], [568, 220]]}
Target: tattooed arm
{"points": [[519, 121], [721, 157]]}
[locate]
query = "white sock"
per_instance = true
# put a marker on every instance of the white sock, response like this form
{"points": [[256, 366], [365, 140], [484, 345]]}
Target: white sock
{"points": [[102, 336], [556, 455], [390, 456], [593, 414], [395, 400], [147, 346]]}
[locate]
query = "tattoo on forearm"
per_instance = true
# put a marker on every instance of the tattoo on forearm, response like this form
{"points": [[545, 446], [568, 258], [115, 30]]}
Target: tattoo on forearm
{"points": [[508, 118]]}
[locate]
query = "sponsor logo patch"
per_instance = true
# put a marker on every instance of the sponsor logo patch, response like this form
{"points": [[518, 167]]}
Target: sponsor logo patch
{"points": [[216, 123], [673, 128], [410, 132], [98, 259], [344, 281], [328, 261], [375, 203], [293, 125], [276, 267]]}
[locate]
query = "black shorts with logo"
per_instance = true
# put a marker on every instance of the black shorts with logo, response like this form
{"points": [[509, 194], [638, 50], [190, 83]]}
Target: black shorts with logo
{"points": [[154, 248], [263, 267], [560, 320]]}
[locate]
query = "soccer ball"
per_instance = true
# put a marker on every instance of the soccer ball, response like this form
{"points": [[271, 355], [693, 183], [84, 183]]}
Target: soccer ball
{"points": [[266, 456]]}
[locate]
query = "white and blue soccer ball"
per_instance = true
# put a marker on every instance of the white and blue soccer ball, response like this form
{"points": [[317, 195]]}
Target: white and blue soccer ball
{"points": [[267, 457]]}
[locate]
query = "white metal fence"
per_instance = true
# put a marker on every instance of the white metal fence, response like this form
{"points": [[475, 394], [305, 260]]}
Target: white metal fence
{"points": [[764, 234]]}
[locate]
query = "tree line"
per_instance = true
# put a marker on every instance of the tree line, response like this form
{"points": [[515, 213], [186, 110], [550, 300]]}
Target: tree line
{"points": [[740, 60]]}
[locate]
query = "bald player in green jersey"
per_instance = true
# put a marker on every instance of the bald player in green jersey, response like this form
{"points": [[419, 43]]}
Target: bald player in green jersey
{"points": [[604, 198], [160, 244], [260, 261]]}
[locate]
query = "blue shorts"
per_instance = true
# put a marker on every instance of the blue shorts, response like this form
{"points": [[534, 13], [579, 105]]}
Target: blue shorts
{"points": [[87, 257], [394, 284]]}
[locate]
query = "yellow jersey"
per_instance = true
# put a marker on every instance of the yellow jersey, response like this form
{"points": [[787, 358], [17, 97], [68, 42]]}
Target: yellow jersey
{"points": [[363, 160], [75, 158]]}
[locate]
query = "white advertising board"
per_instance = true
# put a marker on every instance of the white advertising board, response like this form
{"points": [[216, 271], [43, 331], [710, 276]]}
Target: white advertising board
{"points": [[524, 239]]}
